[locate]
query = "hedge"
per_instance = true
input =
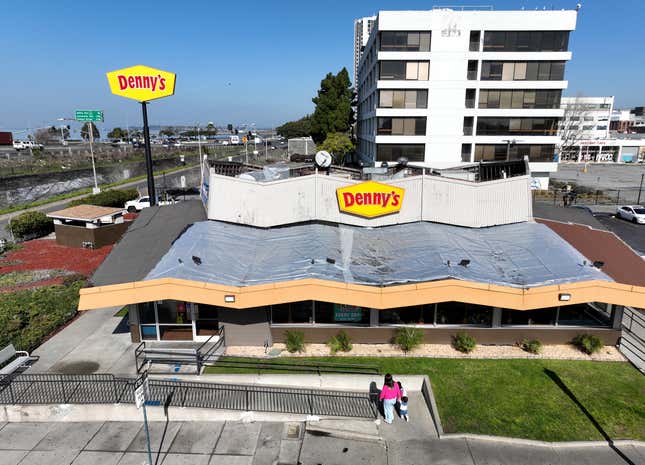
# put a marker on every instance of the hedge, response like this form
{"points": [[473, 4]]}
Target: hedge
{"points": [[27, 317], [30, 224], [109, 198]]}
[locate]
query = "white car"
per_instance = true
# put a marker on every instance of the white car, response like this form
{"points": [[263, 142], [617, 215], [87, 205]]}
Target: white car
{"points": [[633, 213], [144, 202]]}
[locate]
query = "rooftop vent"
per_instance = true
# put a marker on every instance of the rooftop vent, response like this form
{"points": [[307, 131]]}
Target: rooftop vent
{"points": [[197, 260]]}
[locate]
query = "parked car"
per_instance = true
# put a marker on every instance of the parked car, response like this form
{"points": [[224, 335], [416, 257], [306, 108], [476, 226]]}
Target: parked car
{"points": [[633, 213], [144, 202], [26, 144]]}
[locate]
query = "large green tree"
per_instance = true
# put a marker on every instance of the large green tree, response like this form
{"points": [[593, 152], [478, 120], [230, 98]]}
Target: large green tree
{"points": [[334, 112], [298, 128], [85, 132], [338, 144], [117, 133]]}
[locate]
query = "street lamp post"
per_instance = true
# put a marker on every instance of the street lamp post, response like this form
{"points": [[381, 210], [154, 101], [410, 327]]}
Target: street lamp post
{"points": [[199, 142]]}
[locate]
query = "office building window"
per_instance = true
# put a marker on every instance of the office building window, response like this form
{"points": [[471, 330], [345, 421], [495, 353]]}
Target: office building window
{"points": [[489, 126], [295, 312], [403, 98], [392, 152], [405, 41], [519, 98], [497, 152], [466, 150], [474, 41], [522, 71], [468, 125], [404, 70], [470, 98], [472, 70], [526, 41], [401, 126], [417, 315]]}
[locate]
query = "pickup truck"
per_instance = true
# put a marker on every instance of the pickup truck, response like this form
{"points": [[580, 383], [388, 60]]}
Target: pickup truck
{"points": [[144, 202]]}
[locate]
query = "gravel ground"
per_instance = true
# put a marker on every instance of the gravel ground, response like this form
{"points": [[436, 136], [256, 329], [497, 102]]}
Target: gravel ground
{"points": [[562, 352]]}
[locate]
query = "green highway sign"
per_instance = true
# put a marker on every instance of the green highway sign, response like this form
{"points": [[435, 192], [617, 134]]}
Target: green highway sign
{"points": [[88, 115]]}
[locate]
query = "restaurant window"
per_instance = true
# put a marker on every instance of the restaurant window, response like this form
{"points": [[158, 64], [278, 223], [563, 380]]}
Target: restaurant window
{"points": [[294, 312], [526, 41], [582, 315], [404, 70], [405, 41], [542, 316], [458, 313], [392, 152], [416, 315], [403, 98]]}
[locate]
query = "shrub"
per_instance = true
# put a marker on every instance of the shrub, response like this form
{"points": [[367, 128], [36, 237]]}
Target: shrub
{"points": [[295, 341], [408, 338], [340, 342], [532, 346], [588, 343], [464, 342], [30, 224], [109, 198]]}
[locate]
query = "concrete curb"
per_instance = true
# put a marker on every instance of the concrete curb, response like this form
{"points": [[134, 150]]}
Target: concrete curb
{"points": [[428, 395], [534, 443]]}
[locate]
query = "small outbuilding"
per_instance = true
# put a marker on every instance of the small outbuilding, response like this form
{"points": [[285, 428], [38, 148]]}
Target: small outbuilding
{"points": [[88, 226]]}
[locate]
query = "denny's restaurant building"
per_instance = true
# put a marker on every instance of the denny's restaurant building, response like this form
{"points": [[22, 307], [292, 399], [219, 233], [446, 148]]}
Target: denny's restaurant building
{"points": [[319, 253]]}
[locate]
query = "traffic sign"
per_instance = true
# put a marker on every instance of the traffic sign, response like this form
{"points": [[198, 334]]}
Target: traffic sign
{"points": [[139, 396], [141, 83], [88, 115]]}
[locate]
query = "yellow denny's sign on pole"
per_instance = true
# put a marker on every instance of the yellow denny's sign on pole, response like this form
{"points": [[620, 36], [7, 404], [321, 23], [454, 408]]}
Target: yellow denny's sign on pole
{"points": [[141, 83], [370, 199]]}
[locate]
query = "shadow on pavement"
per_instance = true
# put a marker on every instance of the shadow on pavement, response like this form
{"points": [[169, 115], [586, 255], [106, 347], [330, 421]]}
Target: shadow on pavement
{"points": [[556, 379]]}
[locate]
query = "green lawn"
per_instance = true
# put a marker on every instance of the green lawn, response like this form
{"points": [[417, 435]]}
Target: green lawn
{"points": [[516, 398]]}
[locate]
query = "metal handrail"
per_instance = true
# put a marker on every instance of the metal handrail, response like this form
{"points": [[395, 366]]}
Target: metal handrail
{"points": [[633, 348]]}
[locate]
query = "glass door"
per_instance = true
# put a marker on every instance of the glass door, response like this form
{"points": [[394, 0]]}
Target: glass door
{"points": [[206, 321]]}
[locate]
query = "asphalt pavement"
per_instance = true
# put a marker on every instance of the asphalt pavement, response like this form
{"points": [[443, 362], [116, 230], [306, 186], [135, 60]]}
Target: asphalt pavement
{"points": [[632, 234]]}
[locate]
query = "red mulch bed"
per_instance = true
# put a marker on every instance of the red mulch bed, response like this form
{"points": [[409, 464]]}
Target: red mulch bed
{"points": [[45, 254]]}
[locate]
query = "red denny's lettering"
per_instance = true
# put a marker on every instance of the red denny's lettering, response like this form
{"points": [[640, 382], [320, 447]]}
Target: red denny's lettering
{"points": [[382, 199], [142, 82]]}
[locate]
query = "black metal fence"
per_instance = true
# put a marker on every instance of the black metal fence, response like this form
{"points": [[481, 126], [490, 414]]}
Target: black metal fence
{"points": [[30, 389]]}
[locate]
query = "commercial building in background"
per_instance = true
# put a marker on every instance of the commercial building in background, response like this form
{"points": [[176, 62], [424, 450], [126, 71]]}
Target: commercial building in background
{"points": [[362, 30], [586, 135], [586, 117], [628, 121], [340, 250], [445, 87]]}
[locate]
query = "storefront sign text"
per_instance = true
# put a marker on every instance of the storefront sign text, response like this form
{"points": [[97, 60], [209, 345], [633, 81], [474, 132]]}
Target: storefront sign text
{"points": [[141, 83], [370, 199]]}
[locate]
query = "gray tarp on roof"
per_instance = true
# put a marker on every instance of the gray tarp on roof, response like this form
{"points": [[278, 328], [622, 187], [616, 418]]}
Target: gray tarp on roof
{"points": [[146, 241], [520, 255]]}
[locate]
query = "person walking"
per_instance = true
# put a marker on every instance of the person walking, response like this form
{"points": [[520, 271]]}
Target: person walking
{"points": [[389, 395]]}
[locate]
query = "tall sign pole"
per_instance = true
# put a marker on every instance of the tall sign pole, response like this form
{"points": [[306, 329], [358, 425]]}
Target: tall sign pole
{"points": [[146, 140], [89, 117], [143, 84]]}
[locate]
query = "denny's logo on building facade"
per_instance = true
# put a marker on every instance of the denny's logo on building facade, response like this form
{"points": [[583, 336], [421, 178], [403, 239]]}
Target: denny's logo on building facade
{"points": [[141, 83], [370, 199]]}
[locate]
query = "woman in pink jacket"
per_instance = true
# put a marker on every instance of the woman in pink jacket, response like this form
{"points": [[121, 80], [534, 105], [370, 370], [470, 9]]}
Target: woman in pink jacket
{"points": [[389, 395]]}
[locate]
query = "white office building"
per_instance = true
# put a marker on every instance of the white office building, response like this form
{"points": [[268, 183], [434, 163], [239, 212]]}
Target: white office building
{"points": [[362, 30], [444, 87], [586, 117]]}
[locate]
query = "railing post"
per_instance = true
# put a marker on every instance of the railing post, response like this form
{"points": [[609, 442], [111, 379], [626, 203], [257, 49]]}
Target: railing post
{"points": [[246, 390], [116, 394], [311, 403], [62, 386]]}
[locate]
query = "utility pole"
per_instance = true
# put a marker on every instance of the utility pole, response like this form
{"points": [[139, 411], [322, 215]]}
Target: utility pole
{"points": [[640, 189], [96, 189], [199, 142], [146, 140]]}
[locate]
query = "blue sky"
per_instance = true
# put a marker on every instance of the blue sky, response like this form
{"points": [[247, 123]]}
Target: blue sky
{"points": [[273, 54]]}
